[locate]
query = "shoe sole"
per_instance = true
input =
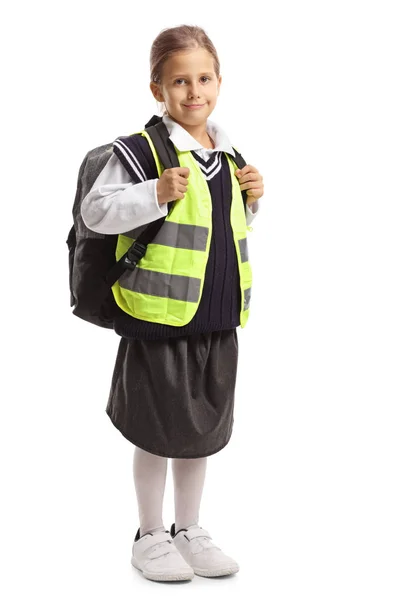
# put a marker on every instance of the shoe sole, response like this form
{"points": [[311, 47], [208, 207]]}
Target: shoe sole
{"points": [[219, 573], [163, 576]]}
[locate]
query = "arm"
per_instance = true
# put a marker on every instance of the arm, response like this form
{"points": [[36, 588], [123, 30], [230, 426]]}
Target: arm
{"points": [[119, 201]]}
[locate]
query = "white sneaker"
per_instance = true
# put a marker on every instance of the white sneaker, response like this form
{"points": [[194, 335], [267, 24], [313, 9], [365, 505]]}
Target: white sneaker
{"points": [[206, 559], [155, 555]]}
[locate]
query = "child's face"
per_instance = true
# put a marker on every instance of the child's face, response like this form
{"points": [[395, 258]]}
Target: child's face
{"points": [[188, 78]]}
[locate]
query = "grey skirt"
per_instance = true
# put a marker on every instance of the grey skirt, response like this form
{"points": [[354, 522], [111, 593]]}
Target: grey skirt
{"points": [[175, 397]]}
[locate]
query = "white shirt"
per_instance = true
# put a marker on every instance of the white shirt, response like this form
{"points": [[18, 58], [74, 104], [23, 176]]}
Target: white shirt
{"points": [[115, 204]]}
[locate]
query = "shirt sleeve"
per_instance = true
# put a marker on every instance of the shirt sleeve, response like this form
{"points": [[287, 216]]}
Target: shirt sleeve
{"points": [[252, 211], [118, 201]]}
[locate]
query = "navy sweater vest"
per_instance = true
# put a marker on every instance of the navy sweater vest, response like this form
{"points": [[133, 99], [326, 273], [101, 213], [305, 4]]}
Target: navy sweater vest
{"points": [[219, 306]]}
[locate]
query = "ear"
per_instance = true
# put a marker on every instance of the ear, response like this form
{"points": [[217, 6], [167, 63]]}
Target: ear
{"points": [[219, 82], [155, 90]]}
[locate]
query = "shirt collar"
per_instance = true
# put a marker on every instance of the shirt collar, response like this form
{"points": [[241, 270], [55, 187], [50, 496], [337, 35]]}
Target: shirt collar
{"points": [[184, 141]]}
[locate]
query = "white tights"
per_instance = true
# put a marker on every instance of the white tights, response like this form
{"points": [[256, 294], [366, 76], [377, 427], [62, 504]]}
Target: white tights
{"points": [[150, 474]]}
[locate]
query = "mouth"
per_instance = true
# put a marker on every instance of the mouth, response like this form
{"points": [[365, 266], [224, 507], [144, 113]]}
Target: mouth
{"points": [[193, 106]]}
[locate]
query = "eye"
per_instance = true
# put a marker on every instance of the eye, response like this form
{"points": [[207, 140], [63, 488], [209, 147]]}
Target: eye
{"points": [[203, 77]]}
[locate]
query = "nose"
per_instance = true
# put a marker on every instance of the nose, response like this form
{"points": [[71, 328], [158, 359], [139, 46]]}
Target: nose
{"points": [[193, 90]]}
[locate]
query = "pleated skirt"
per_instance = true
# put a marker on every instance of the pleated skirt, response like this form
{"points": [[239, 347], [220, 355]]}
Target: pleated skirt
{"points": [[175, 397]]}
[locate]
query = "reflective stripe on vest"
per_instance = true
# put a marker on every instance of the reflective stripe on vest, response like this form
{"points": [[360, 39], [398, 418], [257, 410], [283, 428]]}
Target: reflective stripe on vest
{"points": [[167, 284], [177, 235]]}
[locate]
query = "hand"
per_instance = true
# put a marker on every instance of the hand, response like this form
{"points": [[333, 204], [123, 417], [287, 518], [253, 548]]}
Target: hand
{"points": [[250, 180], [172, 185]]}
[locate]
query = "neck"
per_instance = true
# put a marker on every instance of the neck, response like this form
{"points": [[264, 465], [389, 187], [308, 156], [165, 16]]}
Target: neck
{"points": [[198, 132]]}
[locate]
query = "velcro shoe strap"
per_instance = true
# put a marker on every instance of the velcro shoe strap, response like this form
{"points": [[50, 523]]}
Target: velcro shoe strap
{"points": [[196, 532], [151, 540], [161, 549]]}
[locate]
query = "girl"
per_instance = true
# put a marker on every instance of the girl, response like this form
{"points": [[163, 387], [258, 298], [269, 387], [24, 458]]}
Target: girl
{"points": [[172, 390]]}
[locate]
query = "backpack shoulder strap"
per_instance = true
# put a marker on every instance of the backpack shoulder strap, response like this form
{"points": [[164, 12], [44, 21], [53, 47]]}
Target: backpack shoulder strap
{"points": [[159, 135], [238, 158], [240, 162]]}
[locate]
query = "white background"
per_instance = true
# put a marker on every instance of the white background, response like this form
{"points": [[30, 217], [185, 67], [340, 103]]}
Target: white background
{"points": [[306, 495]]}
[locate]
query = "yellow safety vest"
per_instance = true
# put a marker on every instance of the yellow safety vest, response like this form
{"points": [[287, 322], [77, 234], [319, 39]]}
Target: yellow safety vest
{"points": [[167, 284]]}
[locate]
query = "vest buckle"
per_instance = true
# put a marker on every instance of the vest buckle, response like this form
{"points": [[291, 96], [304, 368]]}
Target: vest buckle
{"points": [[134, 254]]}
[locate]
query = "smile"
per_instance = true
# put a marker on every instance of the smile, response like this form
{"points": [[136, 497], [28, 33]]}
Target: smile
{"points": [[193, 106]]}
